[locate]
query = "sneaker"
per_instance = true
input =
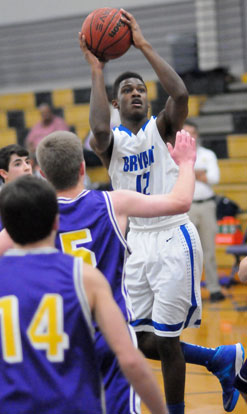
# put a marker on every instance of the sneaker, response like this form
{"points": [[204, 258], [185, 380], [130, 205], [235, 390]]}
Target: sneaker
{"points": [[226, 365], [216, 297]]}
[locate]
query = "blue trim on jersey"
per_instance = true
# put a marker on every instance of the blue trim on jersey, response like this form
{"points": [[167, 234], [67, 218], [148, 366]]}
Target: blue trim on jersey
{"points": [[159, 326], [139, 322], [123, 128], [193, 297], [144, 126], [198, 322]]}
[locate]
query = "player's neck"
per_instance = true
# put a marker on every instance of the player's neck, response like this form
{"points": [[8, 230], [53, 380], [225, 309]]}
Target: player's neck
{"points": [[133, 125], [73, 191], [47, 242]]}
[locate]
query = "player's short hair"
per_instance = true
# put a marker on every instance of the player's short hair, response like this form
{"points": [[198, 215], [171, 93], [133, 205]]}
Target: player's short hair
{"points": [[120, 78], [59, 156], [28, 207], [6, 152], [191, 123]]}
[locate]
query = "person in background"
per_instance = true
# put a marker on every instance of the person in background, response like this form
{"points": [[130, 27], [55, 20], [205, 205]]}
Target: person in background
{"points": [[203, 210], [47, 359], [14, 162], [49, 123]]}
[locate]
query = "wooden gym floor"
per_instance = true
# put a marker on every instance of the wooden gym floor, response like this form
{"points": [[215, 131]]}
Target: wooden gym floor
{"points": [[222, 323]]}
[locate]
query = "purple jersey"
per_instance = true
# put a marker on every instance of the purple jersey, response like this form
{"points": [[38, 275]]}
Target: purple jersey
{"points": [[88, 229], [47, 357]]}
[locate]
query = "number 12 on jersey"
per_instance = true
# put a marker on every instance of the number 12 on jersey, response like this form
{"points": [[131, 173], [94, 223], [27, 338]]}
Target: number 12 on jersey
{"points": [[142, 183]]}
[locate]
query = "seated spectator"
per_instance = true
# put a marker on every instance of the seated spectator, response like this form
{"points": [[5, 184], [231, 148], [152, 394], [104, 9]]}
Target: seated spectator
{"points": [[49, 123]]}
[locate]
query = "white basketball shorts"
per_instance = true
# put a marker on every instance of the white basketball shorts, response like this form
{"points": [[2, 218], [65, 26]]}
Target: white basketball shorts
{"points": [[163, 275]]}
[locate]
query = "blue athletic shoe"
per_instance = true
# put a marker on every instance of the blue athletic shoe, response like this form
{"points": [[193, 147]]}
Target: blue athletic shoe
{"points": [[225, 365]]}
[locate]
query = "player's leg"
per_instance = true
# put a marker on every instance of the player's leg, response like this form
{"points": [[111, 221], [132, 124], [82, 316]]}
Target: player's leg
{"points": [[173, 371], [177, 304], [224, 362], [240, 381]]}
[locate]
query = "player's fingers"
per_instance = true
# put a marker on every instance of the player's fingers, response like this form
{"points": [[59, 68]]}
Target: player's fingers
{"points": [[184, 135], [193, 142], [170, 147], [126, 14], [179, 136]]}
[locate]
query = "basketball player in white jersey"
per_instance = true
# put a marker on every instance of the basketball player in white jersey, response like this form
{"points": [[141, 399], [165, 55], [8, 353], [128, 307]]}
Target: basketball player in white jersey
{"points": [[164, 269]]}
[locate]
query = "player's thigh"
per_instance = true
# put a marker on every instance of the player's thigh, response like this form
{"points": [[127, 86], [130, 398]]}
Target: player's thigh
{"points": [[176, 284], [139, 291]]}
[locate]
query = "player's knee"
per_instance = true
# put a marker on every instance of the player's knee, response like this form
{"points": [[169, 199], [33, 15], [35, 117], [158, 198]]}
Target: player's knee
{"points": [[148, 345], [169, 348]]}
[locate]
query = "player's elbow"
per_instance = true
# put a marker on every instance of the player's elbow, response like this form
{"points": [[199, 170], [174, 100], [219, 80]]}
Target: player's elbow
{"points": [[183, 204], [242, 273], [101, 139], [242, 276], [182, 96], [129, 363]]}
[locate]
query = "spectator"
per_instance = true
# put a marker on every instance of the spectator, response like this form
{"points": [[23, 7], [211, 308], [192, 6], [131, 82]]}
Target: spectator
{"points": [[203, 210], [49, 123]]}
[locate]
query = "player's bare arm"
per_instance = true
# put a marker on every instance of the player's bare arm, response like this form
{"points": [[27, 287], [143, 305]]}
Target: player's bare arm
{"points": [[99, 116], [114, 329], [5, 242], [130, 203], [171, 119], [242, 273]]}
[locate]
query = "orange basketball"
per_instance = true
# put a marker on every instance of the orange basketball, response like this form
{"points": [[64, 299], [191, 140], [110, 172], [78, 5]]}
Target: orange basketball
{"points": [[106, 35]]}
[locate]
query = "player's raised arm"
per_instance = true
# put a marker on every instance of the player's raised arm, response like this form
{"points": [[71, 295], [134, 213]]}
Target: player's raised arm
{"points": [[99, 116], [171, 119], [178, 201], [114, 329]]}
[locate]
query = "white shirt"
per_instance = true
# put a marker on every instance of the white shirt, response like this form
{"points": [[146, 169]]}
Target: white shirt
{"points": [[206, 160]]}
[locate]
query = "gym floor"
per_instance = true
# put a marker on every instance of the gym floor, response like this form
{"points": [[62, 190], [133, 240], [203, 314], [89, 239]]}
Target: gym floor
{"points": [[222, 323]]}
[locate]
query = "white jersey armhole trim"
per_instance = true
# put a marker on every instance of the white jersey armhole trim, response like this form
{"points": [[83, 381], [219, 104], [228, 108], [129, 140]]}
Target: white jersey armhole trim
{"points": [[80, 292], [113, 219]]}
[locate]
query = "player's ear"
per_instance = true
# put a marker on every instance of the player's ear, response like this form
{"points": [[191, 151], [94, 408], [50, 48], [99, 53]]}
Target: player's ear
{"points": [[42, 173], [82, 168], [115, 104], [3, 173], [55, 226]]}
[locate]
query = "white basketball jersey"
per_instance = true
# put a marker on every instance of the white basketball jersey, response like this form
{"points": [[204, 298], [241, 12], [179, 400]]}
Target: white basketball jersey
{"points": [[142, 163]]}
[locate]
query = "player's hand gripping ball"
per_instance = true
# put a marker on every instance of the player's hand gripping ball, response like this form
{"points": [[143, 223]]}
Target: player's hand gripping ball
{"points": [[107, 37]]}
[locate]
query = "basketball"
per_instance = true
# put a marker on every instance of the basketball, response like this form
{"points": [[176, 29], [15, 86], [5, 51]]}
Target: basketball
{"points": [[107, 37]]}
